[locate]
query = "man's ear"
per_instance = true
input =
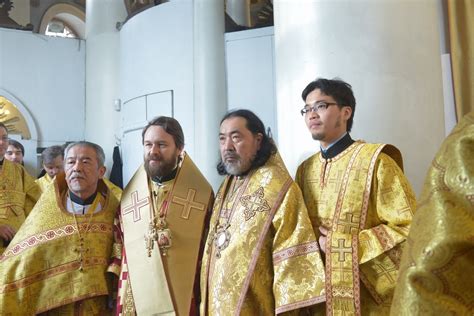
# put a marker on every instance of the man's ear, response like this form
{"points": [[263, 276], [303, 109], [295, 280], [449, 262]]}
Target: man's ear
{"points": [[102, 171], [259, 138], [347, 112]]}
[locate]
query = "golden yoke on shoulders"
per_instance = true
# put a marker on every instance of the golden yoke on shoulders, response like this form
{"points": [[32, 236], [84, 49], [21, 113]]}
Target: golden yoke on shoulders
{"points": [[366, 203], [261, 256], [57, 259]]}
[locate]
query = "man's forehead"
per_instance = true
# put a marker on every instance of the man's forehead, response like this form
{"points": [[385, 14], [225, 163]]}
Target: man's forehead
{"points": [[3, 131], [80, 151], [157, 133], [233, 125], [317, 95], [14, 149]]}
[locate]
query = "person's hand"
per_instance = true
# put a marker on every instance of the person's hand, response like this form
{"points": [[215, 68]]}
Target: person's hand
{"points": [[323, 238], [7, 232]]}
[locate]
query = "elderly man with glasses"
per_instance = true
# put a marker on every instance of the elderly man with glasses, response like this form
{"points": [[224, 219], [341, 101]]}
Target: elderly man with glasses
{"points": [[359, 201]]}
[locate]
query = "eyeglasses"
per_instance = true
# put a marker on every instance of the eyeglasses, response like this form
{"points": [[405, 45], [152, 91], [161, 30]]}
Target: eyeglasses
{"points": [[317, 107]]}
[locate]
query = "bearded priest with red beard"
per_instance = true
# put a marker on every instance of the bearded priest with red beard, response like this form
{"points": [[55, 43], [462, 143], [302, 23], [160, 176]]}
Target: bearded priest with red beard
{"points": [[162, 219]]}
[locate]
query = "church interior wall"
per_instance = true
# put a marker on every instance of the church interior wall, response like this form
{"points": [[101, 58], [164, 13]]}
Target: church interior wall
{"points": [[47, 75], [394, 68], [390, 53], [156, 75], [250, 74]]}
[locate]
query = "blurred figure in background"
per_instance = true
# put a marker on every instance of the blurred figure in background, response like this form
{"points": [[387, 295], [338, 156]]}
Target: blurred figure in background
{"points": [[15, 152]]}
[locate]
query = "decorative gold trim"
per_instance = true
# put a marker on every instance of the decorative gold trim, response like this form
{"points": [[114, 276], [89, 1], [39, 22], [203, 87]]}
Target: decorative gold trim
{"points": [[295, 251], [13, 119]]}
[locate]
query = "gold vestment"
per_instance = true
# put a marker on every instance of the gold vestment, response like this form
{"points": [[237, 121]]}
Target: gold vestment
{"points": [[365, 202], [18, 195], [44, 181], [437, 269], [158, 281], [261, 255], [113, 188], [57, 262]]}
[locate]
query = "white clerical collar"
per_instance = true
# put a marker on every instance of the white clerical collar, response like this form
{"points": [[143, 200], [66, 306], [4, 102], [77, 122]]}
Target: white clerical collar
{"points": [[78, 209]]}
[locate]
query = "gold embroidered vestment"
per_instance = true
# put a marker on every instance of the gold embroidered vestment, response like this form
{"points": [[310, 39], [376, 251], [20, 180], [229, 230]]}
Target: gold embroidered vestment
{"points": [[44, 181], [437, 269], [41, 268], [365, 202], [18, 195], [269, 262]]}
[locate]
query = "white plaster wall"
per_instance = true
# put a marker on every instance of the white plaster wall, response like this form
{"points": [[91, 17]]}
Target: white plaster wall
{"points": [[388, 50], [156, 55], [46, 75], [102, 73], [250, 74], [172, 62]]}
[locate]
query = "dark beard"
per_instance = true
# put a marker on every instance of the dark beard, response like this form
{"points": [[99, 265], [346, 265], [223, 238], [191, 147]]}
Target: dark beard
{"points": [[164, 168]]}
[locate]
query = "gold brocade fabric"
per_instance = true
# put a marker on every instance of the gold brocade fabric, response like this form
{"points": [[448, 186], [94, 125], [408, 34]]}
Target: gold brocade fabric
{"points": [[437, 269], [116, 191], [460, 18], [365, 202], [158, 281], [44, 181], [41, 268], [272, 262], [18, 195]]}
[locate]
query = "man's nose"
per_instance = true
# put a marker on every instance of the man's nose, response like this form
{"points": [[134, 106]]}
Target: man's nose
{"points": [[77, 166], [313, 113], [155, 150], [228, 144]]}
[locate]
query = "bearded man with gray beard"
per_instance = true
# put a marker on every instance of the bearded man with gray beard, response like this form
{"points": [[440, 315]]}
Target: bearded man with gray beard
{"points": [[162, 219], [261, 255]]}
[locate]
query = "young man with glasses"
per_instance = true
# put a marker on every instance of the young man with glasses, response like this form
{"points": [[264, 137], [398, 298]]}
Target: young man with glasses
{"points": [[360, 203]]}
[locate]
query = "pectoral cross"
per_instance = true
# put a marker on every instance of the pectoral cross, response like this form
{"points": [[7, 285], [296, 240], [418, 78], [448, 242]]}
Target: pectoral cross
{"points": [[150, 238], [81, 250]]}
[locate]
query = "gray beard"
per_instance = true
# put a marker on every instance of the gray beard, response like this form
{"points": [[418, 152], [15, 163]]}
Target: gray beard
{"points": [[234, 169]]}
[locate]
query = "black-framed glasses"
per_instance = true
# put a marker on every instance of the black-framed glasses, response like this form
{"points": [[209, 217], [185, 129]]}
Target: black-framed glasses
{"points": [[317, 107]]}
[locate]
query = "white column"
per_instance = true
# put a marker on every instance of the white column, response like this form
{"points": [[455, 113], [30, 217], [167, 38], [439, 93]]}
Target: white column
{"points": [[102, 77], [387, 50], [209, 84]]}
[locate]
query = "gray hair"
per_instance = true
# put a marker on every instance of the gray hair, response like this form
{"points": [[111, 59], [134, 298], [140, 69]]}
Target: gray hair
{"points": [[98, 150], [51, 153]]}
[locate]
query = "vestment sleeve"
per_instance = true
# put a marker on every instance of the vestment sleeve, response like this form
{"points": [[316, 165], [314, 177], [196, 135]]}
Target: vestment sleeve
{"points": [[392, 205], [117, 246], [390, 212], [298, 268], [32, 191]]}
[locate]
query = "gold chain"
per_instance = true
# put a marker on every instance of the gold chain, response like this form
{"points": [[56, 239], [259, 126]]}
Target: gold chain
{"points": [[91, 210]]}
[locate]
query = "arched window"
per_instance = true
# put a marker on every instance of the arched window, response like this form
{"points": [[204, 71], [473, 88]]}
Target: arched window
{"points": [[64, 20]]}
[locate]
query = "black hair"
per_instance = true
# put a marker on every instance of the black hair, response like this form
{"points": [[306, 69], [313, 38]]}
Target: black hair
{"points": [[171, 126], [255, 126], [17, 145], [338, 89]]}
